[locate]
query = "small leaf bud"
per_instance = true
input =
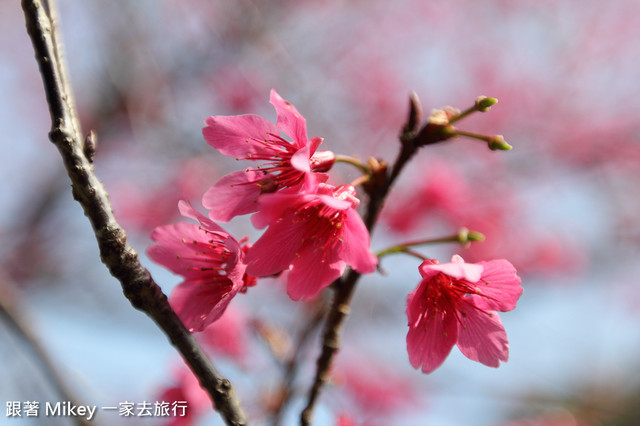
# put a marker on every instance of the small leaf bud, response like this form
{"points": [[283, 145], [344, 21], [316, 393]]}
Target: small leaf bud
{"points": [[415, 113]]}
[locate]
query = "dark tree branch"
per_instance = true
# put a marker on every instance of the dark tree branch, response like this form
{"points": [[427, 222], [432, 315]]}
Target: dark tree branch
{"points": [[119, 257], [378, 187]]}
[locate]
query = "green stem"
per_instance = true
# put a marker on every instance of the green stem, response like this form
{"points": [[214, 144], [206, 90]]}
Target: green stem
{"points": [[463, 114], [494, 142], [482, 104], [464, 237], [472, 135], [353, 161]]}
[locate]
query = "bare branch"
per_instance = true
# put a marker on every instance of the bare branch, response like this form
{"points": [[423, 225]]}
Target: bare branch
{"points": [[378, 188], [10, 312], [119, 257], [291, 366]]}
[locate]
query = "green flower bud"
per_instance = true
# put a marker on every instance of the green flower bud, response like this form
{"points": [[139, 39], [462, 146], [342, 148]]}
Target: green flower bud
{"points": [[483, 103], [498, 143]]}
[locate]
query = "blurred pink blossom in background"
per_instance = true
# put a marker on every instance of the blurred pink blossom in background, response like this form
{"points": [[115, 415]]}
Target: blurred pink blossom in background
{"points": [[562, 206]]}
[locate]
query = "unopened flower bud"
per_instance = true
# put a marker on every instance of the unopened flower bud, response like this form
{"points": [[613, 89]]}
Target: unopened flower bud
{"points": [[466, 237], [438, 128], [498, 143], [475, 236], [483, 103], [322, 161], [441, 117]]}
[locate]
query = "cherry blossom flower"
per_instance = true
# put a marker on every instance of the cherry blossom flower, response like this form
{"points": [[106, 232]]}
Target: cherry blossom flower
{"points": [[456, 304], [185, 393], [228, 336], [371, 397], [147, 206], [211, 262], [345, 420], [251, 137], [440, 192], [313, 235]]}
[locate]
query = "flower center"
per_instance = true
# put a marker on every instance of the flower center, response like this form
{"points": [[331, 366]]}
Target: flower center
{"points": [[323, 225], [208, 256], [447, 295], [276, 153]]}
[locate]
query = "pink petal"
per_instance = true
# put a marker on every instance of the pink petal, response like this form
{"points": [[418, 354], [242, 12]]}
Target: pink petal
{"points": [[326, 189], [234, 194], [236, 135], [290, 121], [175, 249], [313, 145], [199, 304], [500, 285], [301, 160], [276, 248], [429, 341], [417, 304], [334, 203], [167, 251], [481, 335], [272, 207], [312, 181], [260, 220], [311, 272], [456, 269], [355, 249], [229, 335], [187, 210]]}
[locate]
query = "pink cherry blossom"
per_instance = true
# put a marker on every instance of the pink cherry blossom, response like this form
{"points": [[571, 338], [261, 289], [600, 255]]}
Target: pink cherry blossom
{"points": [[211, 262], [456, 303], [251, 137], [146, 206], [228, 336], [372, 396], [345, 420], [314, 236], [185, 392], [439, 193]]}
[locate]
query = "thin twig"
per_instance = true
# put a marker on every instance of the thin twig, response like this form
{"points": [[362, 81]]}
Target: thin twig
{"points": [[293, 363], [346, 285], [119, 257], [9, 311]]}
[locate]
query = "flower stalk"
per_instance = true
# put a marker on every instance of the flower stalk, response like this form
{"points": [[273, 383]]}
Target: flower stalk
{"points": [[464, 237]]}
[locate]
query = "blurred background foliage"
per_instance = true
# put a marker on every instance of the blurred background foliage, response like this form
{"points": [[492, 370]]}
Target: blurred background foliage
{"points": [[562, 206]]}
